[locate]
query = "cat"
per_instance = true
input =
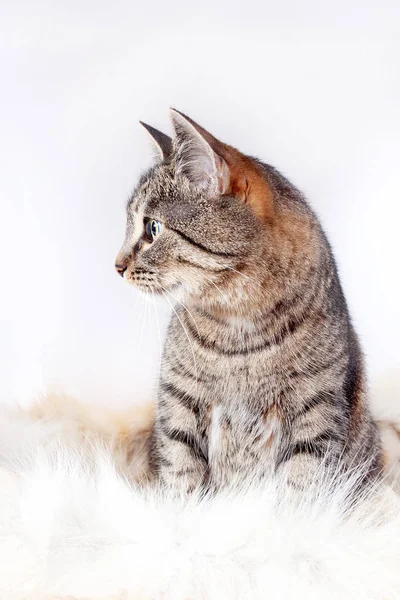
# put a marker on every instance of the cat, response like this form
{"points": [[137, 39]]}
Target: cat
{"points": [[262, 369]]}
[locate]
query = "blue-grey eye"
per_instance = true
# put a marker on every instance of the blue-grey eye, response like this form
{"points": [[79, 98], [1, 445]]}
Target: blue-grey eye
{"points": [[153, 229]]}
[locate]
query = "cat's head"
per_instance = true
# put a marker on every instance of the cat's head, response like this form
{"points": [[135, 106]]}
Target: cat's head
{"points": [[198, 221]]}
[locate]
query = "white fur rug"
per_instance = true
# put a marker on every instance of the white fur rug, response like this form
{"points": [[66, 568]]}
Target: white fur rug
{"points": [[73, 525]]}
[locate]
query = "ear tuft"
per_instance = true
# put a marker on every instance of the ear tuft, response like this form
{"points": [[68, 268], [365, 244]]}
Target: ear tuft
{"points": [[163, 142]]}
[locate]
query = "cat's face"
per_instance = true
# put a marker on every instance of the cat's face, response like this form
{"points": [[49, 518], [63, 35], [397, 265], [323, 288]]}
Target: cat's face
{"points": [[193, 228], [178, 239]]}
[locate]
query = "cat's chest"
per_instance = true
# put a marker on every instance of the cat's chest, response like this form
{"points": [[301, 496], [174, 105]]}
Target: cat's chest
{"points": [[240, 442], [229, 362], [246, 384]]}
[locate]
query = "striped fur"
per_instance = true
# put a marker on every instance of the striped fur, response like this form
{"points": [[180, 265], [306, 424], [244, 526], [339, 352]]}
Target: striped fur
{"points": [[262, 370]]}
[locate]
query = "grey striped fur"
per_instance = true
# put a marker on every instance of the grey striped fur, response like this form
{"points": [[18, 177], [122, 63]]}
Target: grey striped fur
{"points": [[261, 369]]}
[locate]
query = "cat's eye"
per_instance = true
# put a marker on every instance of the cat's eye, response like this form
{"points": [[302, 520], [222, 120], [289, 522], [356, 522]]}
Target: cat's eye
{"points": [[153, 229]]}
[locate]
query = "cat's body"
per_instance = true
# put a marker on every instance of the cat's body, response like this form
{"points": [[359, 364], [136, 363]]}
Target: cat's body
{"points": [[261, 368]]}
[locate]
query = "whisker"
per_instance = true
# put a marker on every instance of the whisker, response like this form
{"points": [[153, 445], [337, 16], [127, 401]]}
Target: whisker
{"points": [[183, 306], [187, 335], [141, 318], [146, 314], [242, 274], [159, 339], [217, 288]]}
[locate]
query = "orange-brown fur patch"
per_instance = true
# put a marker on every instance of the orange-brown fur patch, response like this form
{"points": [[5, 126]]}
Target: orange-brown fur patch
{"points": [[293, 232], [248, 184], [246, 181]]}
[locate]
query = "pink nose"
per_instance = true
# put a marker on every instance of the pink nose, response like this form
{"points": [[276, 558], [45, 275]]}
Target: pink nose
{"points": [[120, 270]]}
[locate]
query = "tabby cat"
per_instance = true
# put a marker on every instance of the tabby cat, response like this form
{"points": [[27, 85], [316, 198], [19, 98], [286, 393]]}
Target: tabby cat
{"points": [[262, 369]]}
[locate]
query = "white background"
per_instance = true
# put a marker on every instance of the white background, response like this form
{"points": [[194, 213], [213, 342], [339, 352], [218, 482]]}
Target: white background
{"points": [[312, 87]]}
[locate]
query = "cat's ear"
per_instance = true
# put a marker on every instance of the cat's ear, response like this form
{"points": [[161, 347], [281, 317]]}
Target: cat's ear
{"points": [[162, 142], [220, 168], [196, 158]]}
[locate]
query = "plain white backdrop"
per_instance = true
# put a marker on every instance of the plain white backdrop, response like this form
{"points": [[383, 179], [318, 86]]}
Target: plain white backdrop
{"points": [[312, 87]]}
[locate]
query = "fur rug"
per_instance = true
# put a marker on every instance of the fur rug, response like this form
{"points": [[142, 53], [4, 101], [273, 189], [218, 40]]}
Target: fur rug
{"points": [[79, 521]]}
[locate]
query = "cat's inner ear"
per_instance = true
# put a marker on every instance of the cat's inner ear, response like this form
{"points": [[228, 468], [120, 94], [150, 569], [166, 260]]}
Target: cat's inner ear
{"points": [[220, 168], [162, 142], [196, 159]]}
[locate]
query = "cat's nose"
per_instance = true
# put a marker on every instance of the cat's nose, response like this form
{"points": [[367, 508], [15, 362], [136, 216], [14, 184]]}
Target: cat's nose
{"points": [[120, 269]]}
